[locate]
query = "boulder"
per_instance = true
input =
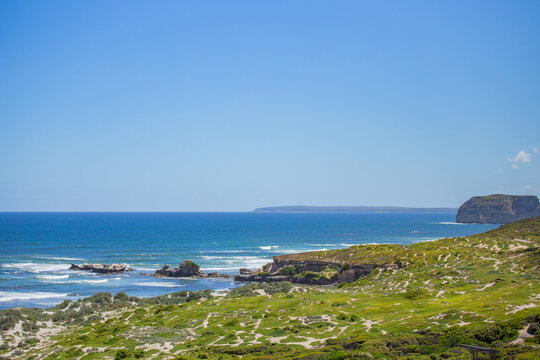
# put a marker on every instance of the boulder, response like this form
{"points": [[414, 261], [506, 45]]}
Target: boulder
{"points": [[244, 271], [218, 275]]}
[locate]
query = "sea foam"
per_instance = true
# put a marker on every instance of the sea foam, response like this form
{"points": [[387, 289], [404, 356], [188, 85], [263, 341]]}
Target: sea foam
{"points": [[36, 268], [53, 277], [158, 284], [10, 296], [269, 247]]}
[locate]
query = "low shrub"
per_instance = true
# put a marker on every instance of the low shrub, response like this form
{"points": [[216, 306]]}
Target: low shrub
{"points": [[310, 275], [287, 270]]}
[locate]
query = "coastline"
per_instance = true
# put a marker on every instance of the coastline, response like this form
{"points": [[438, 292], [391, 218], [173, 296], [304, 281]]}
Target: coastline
{"points": [[431, 294], [37, 260]]}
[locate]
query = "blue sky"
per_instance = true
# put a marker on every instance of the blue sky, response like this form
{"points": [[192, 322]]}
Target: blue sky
{"points": [[232, 105]]}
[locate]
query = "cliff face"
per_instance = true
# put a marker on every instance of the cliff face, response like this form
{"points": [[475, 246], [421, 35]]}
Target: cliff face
{"points": [[498, 209]]}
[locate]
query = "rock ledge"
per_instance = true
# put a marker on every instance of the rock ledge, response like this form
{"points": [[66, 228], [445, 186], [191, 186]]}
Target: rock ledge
{"points": [[101, 268]]}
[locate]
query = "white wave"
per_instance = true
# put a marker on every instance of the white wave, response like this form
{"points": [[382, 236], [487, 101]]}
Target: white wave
{"points": [[449, 223], [248, 263], [322, 245], [347, 245], [100, 281], [269, 247], [10, 296], [230, 259], [294, 251], [36, 268], [60, 258], [53, 277], [146, 269], [222, 251], [222, 268], [158, 284], [247, 257], [426, 239]]}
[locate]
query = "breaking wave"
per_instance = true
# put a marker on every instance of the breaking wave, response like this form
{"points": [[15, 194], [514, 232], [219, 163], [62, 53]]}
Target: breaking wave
{"points": [[10, 296]]}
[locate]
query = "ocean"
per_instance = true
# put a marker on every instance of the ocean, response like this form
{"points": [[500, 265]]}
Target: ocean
{"points": [[37, 249]]}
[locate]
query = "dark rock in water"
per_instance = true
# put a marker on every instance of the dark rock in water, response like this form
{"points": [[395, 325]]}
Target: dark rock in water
{"points": [[101, 268], [498, 209], [218, 275], [186, 269], [244, 271]]}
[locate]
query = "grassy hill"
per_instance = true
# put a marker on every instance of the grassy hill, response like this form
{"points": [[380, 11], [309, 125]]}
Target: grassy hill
{"points": [[479, 290]]}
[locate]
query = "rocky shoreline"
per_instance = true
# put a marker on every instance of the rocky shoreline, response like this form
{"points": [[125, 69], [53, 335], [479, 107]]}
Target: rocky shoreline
{"points": [[299, 271]]}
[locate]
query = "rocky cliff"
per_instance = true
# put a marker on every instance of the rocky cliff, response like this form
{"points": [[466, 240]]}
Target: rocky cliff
{"points": [[498, 209], [307, 268]]}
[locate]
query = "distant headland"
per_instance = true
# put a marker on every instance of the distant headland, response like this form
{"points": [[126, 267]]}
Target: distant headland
{"points": [[352, 209], [498, 209]]}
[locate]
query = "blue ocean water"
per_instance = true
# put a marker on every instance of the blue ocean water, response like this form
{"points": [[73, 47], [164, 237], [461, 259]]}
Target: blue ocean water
{"points": [[38, 248]]}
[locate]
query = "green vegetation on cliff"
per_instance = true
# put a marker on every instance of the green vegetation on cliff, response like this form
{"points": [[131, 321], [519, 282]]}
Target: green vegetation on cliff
{"points": [[482, 290]]}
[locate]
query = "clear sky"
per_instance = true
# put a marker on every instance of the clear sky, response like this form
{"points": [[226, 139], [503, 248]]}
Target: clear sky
{"points": [[231, 105]]}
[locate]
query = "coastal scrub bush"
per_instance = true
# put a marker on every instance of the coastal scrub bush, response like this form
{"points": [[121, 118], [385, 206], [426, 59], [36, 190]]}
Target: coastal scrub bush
{"points": [[180, 297], [287, 270], [101, 299], [269, 288], [276, 287], [360, 355], [336, 355], [121, 297], [310, 275], [501, 331], [121, 354], [64, 304], [191, 264], [9, 318], [453, 337]]}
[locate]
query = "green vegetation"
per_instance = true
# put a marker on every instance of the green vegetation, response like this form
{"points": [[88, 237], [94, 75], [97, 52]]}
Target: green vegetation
{"points": [[191, 264], [479, 290]]}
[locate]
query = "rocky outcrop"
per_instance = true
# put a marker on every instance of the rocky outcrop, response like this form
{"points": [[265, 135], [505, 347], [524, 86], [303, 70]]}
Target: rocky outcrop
{"points": [[498, 209], [313, 272], [101, 268], [216, 275], [186, 269]]}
